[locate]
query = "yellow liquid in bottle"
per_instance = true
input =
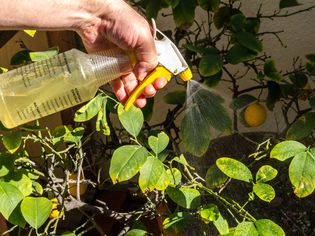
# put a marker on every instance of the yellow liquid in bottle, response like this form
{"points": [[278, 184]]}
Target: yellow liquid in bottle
{"points": [[46, 87]]}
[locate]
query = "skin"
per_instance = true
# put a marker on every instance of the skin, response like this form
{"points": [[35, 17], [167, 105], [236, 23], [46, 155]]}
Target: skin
{"points": [[100, 24]]}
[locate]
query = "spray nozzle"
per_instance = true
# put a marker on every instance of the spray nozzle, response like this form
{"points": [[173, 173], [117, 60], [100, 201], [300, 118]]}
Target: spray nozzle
{"points": [[171, 62]]}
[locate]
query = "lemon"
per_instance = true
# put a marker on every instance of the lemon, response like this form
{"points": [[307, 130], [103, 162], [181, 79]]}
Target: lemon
{"points": [[255, 115], [54, 212], [73, 186]]}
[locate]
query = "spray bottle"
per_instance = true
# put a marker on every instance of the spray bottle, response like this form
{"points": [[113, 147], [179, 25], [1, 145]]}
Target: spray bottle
{"points": [[73, 77]]}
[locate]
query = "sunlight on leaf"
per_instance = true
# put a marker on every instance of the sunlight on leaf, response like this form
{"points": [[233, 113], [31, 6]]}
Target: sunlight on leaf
{"points": [[234, 169]]}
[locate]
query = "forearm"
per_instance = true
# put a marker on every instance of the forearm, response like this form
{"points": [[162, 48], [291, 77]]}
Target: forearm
{"points": [[49, 14]]}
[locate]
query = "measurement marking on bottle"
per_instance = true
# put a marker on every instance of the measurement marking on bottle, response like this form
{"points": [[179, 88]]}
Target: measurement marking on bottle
{"points": [[37, 109]]}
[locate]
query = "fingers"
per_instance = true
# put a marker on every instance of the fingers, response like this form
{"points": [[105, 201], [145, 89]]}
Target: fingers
{"points": [[124, 86]]}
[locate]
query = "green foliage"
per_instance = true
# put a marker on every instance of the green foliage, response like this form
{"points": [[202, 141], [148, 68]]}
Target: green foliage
{"points": [[205, 111], [131, 120], [184, 13], [288, 3], [159, 143], [184, 196], [266, 227], [223, 49], [214, 177], [234, 169], [266, 173], [301, 169], [36, 210], [271, 71], [43, 55], [12, 141], [126, 162]]}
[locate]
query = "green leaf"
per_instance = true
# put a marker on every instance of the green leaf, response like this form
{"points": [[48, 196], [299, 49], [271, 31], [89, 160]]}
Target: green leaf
{"points": [[6, 163], [195, 136], [3, 70], [152, 9], [21, 181], [126, 162], [182, 160], [288, 3], [184, 13], [302, 173], [172, 3], [237, 22], [266, 227], [222, 17], [184, 196], [201, 49], [266, 173], [271, 71], [214, 177], [252, 25], [205, 111], [16, 217], [176, 222], [274, 94], [264, 191], [36, 210], [299, 79], [302, 127], [148, 109], [222, 225], [175, 98], [10, 196], [245, 229], [21, 57], [74, 136], [101, 124], [44, 55], [248, 40], [175, 176], [89, 110], [310, 67], [209, 213], [66, 134], [311, 57], [159, 143], [12, 141], [287, 149], [210, 64], [136, 232], [209, 5], [153, 175], [234, 169], [243, 101], [238, 54], [37, 189], [213, 80], [131, 120]]}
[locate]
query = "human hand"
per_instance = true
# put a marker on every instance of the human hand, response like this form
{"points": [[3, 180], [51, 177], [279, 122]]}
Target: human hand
{"points": [[117, 23]]}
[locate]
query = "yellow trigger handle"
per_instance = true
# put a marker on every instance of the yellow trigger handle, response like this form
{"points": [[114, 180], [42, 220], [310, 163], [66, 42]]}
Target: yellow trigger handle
{"points": [[158, 72]]}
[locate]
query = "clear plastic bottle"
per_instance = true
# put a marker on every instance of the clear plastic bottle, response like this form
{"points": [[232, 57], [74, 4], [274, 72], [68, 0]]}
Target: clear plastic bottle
{"points": [[65, 80]]}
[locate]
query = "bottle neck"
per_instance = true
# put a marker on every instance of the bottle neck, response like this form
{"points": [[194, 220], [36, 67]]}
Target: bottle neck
{"points": [[109, 65]]}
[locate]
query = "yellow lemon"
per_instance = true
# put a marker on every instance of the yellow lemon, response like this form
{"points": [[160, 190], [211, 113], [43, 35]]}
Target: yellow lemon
{"points": [[255, 115], [73, 186], [54, 212]]}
